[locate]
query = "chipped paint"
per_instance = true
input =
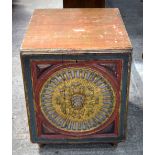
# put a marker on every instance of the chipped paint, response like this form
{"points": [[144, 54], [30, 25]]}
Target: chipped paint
{"points": [[114, 26], [101, 36], [79, 30], [96, 21], [121, 33]]}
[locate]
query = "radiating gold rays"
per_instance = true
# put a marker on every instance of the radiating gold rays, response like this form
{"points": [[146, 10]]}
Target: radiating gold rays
{"points": [[77, 99]]}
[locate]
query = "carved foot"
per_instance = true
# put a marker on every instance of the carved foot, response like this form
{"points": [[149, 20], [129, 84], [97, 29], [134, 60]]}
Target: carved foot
{"points": [[114, 144], [41, 145]]}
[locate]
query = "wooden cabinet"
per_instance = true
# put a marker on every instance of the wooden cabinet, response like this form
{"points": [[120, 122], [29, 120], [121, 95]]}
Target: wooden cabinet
{"points": [[83, 3], [76, 71]]}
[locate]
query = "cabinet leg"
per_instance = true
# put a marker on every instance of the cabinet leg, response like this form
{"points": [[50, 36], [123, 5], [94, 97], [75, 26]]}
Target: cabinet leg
{"points": [[41, 145], [114, 144]]}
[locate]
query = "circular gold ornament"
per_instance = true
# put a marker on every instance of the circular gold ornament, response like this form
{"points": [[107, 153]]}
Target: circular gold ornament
{"points": [[77, 99]]}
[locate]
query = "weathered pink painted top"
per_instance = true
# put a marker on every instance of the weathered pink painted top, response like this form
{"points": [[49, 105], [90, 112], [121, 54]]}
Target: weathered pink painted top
{"points": [[76, 29]]}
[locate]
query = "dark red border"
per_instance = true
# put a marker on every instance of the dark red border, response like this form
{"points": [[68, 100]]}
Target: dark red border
{"points": [[37, 84]]}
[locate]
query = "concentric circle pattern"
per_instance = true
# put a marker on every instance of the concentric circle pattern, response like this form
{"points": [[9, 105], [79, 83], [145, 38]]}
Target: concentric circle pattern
{"points": [[77, 99]]}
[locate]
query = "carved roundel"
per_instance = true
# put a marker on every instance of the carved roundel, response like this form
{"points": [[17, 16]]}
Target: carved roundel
{"points": [[77, 99]]}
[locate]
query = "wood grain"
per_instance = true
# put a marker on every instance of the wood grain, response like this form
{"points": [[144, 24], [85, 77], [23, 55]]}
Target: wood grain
{"points": [[76, 29]]}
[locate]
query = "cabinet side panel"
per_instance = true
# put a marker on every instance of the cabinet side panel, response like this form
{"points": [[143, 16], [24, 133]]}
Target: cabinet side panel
{"points": [[125, 94]]}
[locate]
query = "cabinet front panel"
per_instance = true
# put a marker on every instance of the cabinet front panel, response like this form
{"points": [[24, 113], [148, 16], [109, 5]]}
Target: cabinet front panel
{"points": [[77, 99]]}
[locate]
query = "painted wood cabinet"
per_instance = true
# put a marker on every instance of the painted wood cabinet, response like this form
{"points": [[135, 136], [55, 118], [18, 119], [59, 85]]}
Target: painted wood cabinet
{"points": [[76, 71]]}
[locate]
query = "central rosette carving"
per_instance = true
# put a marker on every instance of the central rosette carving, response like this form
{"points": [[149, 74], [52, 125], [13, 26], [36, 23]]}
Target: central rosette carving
{"points": [[77, 101], [77, 95]]}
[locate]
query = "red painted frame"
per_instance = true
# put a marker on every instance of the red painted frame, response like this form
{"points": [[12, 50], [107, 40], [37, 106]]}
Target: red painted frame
{"points": [[57, 65]]}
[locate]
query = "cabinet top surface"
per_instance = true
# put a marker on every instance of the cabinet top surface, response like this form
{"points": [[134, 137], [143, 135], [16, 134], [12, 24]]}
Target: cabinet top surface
{"points": [[76, 29]]}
